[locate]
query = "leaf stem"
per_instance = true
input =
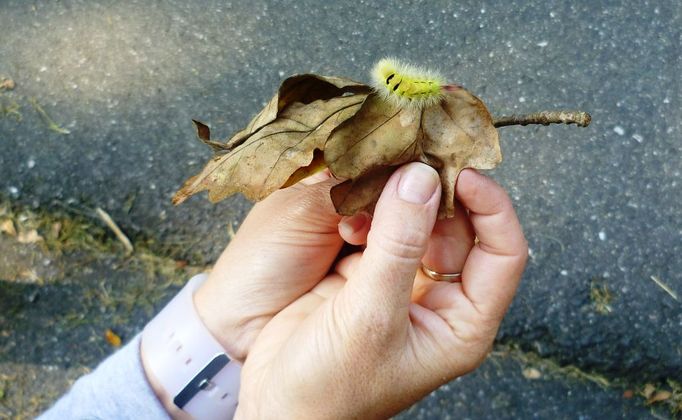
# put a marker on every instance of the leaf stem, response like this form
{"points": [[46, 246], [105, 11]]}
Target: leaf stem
{"points": [[581, 118]]}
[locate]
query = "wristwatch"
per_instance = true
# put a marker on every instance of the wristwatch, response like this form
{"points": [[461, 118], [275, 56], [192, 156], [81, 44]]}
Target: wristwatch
{"points": [[188, 361]]}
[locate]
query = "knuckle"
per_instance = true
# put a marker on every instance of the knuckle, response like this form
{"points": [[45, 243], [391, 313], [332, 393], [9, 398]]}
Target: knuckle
{"points": [[300, 201], [407, 244], [311, 197]]}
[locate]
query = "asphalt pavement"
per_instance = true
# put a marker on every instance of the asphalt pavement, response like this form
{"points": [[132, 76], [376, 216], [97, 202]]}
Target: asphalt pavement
{"points": [[106, 90]]}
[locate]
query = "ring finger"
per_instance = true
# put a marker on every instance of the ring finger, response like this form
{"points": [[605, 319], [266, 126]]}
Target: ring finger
{"points": [[450, 243]]}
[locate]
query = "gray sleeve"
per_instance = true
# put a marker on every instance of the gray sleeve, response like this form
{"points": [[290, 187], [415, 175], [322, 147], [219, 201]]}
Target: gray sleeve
{"points": [[118, 389]]}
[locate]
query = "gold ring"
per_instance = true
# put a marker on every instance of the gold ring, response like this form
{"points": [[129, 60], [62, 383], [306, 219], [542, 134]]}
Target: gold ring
{"points": [[435, 275]]}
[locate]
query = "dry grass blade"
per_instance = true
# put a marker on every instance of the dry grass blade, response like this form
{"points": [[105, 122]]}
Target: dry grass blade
{"points": [[104, 216], [664, 286], [51, 124]]}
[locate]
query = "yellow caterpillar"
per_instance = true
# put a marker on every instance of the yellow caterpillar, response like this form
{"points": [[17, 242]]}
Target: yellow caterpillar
{"points": [[405, 85]]}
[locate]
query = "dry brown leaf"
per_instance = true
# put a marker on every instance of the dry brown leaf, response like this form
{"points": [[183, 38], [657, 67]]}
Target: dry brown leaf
{"points": [[204, 134], [648, 390], [279, 145], [659, 396], [29, 237], [303, 88], [7, 227], [316, 121], [458, 133], [266, 160], [353, 197], [378, 135], [7, 84], [315, 166], [112, 338]]}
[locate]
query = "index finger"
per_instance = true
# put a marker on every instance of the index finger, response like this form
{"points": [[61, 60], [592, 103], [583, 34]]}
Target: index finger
{"points": [[493, 268]]}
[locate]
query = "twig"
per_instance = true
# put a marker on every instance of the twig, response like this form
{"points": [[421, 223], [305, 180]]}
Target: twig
{"points": [[51, 125], [664, 286], [114, 228], [581, 118]]}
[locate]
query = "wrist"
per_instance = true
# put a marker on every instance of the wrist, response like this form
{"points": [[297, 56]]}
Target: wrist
{"points": [[187, 368], [226, 319]]}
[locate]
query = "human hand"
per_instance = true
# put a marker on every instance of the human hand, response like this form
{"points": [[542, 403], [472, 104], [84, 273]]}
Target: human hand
{"points": [[286, 244], [377, 335]]}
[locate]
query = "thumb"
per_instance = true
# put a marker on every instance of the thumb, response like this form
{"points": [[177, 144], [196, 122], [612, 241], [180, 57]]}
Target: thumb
{"points": [[403, 220]]}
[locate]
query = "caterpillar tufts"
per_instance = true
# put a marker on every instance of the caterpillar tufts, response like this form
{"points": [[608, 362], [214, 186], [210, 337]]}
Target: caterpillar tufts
{"points": [[405, 85]]}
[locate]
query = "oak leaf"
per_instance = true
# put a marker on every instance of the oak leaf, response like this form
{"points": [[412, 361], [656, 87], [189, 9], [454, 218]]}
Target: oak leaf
{"points": [[454, 134], [315, 121], [280, 142]]}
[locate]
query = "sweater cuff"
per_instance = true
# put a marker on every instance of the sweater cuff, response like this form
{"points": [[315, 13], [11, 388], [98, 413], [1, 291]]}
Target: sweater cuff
{"points": [[118, 388]]}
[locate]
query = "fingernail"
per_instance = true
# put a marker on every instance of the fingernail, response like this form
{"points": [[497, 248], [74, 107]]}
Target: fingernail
{"points": [[418, 183], [351, 224]]}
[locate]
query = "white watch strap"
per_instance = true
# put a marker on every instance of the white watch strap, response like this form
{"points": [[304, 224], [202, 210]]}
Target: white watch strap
{"points": [[188, 361]]}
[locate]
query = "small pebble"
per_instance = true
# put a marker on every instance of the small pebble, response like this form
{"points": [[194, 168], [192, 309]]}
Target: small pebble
{"points": [[602, 235], [531, 373], [619, 130]]}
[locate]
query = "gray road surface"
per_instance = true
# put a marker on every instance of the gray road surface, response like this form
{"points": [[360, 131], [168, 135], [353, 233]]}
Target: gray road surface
{"points": [[600, 206]]}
